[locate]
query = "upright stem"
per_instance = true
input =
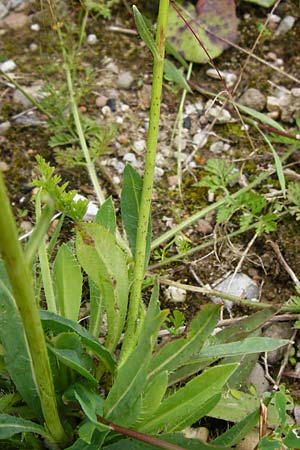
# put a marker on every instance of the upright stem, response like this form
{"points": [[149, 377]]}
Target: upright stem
{"points": [[145, 207], [22, 285]]}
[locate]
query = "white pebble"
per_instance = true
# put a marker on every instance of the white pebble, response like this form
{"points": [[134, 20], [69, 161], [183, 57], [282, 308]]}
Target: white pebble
{"points": [[175, 294], [285, 25], [35, 27], [139, 146], [200, 138], [92, 39], [130, 157], [8, 66], [33, 47]]}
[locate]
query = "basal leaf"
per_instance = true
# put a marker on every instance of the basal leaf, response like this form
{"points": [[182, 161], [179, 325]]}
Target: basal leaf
{"points": [[16, 353], [68, 282], [60, 324], [191, 402], [106, 215], [130, 206], [210, 20], [105, 263], [153, 396], [178, 352], [124, 401], [236, 433], [11, 425], [66, 347], [96, 309], [247, 346]]}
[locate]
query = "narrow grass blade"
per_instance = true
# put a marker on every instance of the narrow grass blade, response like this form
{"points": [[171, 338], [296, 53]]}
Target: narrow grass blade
{"points": [[68, 282], [60, 324], [173, 74]]}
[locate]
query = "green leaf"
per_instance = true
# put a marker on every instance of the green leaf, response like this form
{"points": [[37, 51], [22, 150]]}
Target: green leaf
{"points": [[278, 163], [191, 402], [178, 352], [176, 75], [153, 396], [106, 215], [247, 346], [236, 433], [82, 445], [130, 206], [16, 354], [105, 263], [123, 403], [10, 425], [280, 404], [267, 443], [59, 324], [68, 282], [96, 309], [66, 347], [265, 3], [145, 33], [172, 438], [261, 117], [209, 21], [292, 440]]}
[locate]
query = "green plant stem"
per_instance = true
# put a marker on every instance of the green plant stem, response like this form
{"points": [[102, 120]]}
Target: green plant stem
{"points": [[200, 214], [44, 263], [145, 207], [22, 285]]}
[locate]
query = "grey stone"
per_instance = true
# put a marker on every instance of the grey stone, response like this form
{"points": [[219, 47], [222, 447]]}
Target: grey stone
{"points": [[200, 138], [92, 39], [258, 379], [175, 294], [4, 167], [4, 126], [139, 146], [130, 157], [34, 91], [280, 330], [15, 21], [8, 66], [218, 113], [219, 147], [125, 80], [3, 11], [33, 47], [254, 99], [230, 78], [285, 25], [239, 285]]}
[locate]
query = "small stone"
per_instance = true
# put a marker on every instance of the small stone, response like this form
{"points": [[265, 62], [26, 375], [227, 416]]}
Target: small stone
{"points": [[124, 107], [4, 167], [130, 157], [219, 147], [144, 96], [26, 226], [285, 25], [297, 414], [229, 78], [173, 180], [139, 146], [112, 103], [190, 109], [258, 379], [175, 294], [8, 66], [254, 99], [106, 111], [3, 11], [200, 138], [92, 39], [204, 227], [33, 47], [112, 67], [274, 18], [273, 103], [280, 330], [217, 113], [158, 172], [125, 80], [35, 27], [201, 433], [118, 165], [15, 21], [239, 285], [101, 101], [4, 126], [187, 123], [34, 91]]}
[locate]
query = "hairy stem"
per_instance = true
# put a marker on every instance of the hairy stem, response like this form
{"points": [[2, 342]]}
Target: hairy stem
{"points": [[22, 285], [145, 207]]}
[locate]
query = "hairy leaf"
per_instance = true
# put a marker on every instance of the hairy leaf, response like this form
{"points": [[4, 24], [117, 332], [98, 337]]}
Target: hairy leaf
{"points": [[10, 425], [106, 215]]}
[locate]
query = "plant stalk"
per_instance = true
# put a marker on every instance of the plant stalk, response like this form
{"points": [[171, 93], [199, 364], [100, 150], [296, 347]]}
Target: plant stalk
{"points": [[22, 285], [146, 197]]}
